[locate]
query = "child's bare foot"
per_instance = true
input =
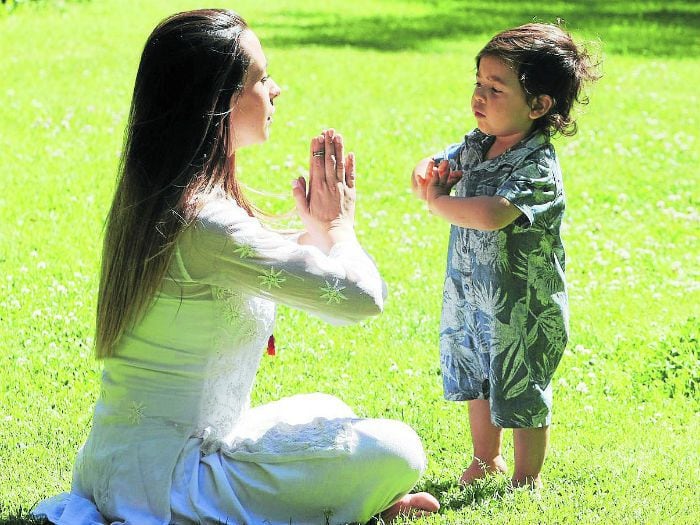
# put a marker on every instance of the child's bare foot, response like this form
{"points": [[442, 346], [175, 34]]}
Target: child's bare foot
{"points": [[532, 483], [479, 469], [413, 505]]}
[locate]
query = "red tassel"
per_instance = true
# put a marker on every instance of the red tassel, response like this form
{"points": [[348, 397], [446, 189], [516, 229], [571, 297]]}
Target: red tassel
{"points": [[271, 350]]}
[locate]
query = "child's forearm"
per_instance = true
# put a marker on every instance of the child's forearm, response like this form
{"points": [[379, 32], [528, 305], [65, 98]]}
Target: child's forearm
{"points": [[479, 213]]}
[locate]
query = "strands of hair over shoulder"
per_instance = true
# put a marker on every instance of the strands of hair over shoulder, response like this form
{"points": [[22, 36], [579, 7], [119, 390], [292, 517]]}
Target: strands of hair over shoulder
{"points": [[176, 148], [547, 61]]}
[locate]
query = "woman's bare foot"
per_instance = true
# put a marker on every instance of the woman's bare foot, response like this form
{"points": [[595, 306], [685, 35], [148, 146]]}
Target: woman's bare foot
{"points": [[413, 505], [479, 469]]}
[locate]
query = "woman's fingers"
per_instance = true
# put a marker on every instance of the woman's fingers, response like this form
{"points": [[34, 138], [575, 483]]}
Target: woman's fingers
{"points": [[316, 164], [299, 193], [350, 170], [330, 156], [339, 158]]}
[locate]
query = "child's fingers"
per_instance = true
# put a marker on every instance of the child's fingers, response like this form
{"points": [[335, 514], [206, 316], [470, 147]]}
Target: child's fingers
{"points": [[429, 168], [444, 172], [416, 180]]}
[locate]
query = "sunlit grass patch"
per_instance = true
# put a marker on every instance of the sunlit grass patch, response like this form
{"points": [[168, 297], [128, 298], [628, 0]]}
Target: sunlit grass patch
{"points": [[626, 417]]}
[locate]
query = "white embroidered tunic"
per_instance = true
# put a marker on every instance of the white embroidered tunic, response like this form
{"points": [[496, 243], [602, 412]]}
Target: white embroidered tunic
{"points": [[186, 371]]}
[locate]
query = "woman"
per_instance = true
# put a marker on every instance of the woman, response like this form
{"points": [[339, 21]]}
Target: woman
{"points": [[189, 282]]}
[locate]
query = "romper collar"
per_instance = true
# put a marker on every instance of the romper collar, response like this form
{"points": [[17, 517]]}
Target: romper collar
{"points": [[480, 142]]}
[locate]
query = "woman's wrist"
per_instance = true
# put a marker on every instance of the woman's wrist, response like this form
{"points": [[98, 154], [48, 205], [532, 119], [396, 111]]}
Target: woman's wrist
{"points": [[325, 239]]}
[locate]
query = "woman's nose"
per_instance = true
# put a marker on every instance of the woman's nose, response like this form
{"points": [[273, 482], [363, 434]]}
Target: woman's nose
{"points": [[275, 90]]}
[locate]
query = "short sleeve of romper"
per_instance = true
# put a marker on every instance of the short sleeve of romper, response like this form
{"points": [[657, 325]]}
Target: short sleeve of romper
{"points": [[505, 314]]}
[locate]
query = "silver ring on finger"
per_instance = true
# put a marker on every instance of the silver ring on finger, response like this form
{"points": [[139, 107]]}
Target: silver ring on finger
{"points": [[319, 153]]}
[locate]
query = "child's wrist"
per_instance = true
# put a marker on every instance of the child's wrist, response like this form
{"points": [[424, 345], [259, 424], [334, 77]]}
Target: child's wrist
{"points": [[433, 201]]}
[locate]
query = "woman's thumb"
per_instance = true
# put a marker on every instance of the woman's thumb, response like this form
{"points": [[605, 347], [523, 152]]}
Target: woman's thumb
{"points": [[299, 194]]}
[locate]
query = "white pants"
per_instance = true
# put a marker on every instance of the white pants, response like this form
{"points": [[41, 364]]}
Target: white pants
{"points": [[379, 461]]}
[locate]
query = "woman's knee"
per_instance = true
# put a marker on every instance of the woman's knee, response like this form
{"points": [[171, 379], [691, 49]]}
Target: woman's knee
{"points": [[391, 445]]}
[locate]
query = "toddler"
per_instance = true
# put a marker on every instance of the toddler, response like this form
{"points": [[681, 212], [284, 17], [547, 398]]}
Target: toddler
{"points": [[505, 315]]}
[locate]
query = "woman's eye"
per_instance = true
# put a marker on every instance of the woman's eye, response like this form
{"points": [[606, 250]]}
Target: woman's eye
{"points": [[265, 78]]}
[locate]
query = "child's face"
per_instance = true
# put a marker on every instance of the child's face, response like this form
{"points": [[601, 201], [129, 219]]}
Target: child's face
{"points": [[499, 102]]}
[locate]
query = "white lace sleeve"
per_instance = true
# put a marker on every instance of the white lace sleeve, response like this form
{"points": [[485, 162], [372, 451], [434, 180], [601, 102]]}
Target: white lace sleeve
{"points": [[227, 248]]}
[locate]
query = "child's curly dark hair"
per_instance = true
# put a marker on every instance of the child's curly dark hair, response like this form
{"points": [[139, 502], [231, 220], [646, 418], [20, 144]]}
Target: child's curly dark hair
{"points": [[547, 61]]}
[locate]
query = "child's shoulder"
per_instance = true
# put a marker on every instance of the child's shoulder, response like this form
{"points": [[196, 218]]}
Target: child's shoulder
{"points": [[537, 149]]}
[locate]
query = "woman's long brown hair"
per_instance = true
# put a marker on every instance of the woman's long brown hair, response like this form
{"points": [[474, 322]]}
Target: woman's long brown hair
{"points": [[176, 147]]}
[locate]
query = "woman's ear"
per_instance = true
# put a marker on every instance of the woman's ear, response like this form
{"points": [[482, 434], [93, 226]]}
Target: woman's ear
{"points": [[540, 106]]}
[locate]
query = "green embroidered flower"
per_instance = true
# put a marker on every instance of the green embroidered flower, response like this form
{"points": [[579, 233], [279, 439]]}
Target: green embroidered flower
{"points": [[223, 293], [271, 278], [136, 412], [232, 311], [245, 251], [332, 293]]}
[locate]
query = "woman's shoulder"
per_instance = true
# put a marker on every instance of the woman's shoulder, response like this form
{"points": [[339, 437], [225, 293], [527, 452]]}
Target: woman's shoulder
{"points": [[218, 212]]}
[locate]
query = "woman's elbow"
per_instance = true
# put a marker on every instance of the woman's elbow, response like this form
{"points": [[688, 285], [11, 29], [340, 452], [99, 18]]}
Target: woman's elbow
{"points": [[369, 306], [358, 309]]}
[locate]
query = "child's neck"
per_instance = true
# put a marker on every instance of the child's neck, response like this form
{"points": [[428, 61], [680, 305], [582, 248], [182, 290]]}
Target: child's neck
{"points": [[503, 143]]}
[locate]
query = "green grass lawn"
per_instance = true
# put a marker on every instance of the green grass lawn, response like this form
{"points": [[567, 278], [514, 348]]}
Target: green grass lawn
{"points": [[395, 78]]}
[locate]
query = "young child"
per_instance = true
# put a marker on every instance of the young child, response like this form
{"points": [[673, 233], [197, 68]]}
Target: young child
{"points": [[505, 314]]}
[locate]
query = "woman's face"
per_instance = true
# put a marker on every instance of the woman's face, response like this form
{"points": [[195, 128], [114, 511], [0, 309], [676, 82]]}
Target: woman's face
{"points": [[252, 108]]}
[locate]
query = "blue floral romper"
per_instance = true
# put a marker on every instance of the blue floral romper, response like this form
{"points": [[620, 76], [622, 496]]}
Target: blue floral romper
{"points": [[505, 315]]}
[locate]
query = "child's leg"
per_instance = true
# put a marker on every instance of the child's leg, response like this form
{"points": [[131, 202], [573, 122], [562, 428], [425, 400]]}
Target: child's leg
{"points": [[530, 446], [487, 440]]}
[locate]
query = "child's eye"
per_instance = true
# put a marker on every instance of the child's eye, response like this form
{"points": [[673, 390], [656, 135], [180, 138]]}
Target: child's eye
{"points": [[496, 91]]}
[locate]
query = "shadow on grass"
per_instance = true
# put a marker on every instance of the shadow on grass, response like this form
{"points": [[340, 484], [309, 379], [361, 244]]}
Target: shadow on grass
{"points": [[22, 517], [625, 27]]}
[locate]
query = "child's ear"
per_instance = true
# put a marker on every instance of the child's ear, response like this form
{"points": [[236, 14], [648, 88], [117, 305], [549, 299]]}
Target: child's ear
{"points": [[540, 106]]}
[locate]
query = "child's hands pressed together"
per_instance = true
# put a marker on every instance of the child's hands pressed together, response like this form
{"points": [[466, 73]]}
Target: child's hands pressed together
{"points": [[424, 174], [439, 180]]}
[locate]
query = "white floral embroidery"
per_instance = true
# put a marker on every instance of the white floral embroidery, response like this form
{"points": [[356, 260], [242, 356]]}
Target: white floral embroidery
{"points": [[246, 323]]}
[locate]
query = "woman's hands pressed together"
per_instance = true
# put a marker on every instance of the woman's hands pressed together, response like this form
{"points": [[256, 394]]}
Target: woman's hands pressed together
{"points": [[326, 205]]}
